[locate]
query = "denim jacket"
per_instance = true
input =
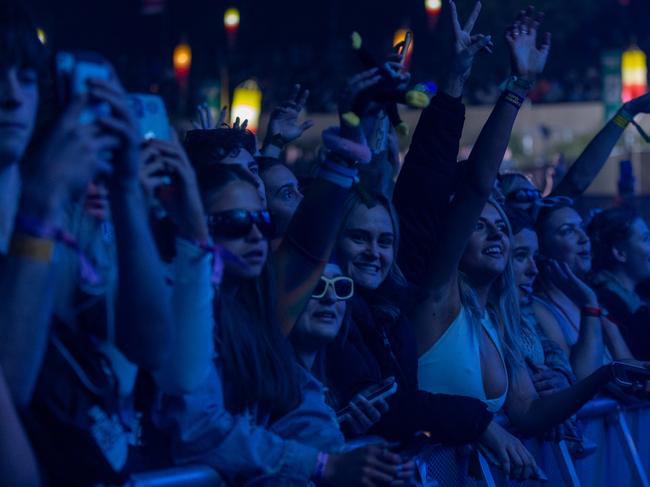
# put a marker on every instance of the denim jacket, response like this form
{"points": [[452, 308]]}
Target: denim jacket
{"points": [[241, 448], [282, 453]]}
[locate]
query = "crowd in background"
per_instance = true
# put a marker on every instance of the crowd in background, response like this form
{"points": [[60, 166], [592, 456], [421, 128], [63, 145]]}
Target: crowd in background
{"points": [[180, 303]]}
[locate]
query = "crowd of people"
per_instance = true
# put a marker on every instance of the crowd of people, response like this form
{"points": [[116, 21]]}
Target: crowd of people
{"points": [[197, 303]]}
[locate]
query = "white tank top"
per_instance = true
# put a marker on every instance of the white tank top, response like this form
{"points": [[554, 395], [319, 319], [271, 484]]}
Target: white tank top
{"points": [[453, 364]]}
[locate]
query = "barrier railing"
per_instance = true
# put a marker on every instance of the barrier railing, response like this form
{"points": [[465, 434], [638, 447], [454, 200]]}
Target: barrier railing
{"points": [[622, 458]]}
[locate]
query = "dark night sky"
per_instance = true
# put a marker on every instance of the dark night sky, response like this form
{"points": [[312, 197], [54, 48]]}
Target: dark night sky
{"points": [[288, 38]]}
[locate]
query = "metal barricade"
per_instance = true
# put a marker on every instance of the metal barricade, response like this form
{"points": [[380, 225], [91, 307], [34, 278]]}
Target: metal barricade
{"points": [[622, 459]]}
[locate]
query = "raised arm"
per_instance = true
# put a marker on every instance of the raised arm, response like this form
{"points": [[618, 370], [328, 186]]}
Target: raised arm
{"points": [[191, 271], [472, 193], [527, 61], [59, 168], [310, 238], [144, 330], [587, 166], [429, 173]]}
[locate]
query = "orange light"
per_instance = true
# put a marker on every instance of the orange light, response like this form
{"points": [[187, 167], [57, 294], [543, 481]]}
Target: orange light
{"points": [[634, 72], [247, 104], [400, 36], [182, 62]]}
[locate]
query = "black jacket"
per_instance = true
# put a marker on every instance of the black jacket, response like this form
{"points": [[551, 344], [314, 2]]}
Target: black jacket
{"points": [[378, 346]]}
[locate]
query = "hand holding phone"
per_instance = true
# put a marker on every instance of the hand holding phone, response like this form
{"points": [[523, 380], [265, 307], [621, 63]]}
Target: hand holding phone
{"points": [[367, 407]]}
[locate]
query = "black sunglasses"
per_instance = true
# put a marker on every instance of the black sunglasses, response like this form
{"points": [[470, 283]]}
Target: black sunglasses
{"points": [[238, 223]]}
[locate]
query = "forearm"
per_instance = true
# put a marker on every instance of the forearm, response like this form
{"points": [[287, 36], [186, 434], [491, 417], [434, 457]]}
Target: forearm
{"points": [[26, 286], [193, 316], [487, 154], [17, 461], [549, 411], [301, 258], [426, 183], [588, 352], [615, 342], [143, 314], [590, 162]]}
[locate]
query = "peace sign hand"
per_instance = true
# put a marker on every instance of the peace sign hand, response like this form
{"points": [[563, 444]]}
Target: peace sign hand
{"points": [[466, 45]]}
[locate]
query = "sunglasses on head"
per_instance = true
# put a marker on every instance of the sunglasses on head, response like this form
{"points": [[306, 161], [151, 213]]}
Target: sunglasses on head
{"points": [[524, 195], [239, 223], [342, 286]]}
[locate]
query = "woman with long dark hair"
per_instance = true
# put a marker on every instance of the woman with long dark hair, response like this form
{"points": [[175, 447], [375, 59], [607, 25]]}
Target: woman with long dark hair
{"points": [[620, 243]]}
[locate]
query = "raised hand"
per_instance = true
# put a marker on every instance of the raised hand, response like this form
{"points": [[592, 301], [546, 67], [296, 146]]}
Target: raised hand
{"points": [[120, 122], [167, 171], [561, 275], [284, 124], [466, 45], [69, 158], [205, 120], [526, 57]]}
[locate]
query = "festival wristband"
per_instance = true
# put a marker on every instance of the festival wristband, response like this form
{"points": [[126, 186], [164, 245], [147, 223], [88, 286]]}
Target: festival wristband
{"points": [[623, 118], [30, 247], [39, 230], [513, 98], [592, 311]]}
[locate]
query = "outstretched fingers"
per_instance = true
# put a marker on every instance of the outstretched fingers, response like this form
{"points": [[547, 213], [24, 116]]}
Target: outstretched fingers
{"points": [[473, 17]]}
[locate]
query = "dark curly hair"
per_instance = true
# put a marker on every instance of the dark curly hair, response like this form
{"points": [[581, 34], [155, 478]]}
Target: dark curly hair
{"points": [[608, 229], [207, 147]]}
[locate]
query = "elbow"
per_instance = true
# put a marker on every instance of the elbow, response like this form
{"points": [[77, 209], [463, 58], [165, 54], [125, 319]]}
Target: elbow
{"points": [[181, 381]]}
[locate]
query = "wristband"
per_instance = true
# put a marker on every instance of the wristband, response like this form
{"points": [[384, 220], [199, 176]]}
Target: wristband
{"points": [[217, 252], [516, 82], [275, 140], [29, 247], [623, 118], [319, 469], [513, 98], [39, 230], [592, 311]]}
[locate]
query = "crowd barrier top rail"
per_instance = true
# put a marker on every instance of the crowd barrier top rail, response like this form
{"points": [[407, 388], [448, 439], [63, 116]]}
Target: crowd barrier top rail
{"points": [[203, 476]]}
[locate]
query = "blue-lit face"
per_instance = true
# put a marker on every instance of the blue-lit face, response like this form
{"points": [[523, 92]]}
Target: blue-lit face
{"points": [[18, 109]]}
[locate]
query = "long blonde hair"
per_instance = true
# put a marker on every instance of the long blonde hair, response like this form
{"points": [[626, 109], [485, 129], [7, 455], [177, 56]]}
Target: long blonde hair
{"points": [[502, 306]]}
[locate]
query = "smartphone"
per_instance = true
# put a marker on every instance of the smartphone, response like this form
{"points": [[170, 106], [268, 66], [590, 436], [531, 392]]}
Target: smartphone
{"points": [[74, 69], [381, 391], [630, 375], [151, 115]]}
